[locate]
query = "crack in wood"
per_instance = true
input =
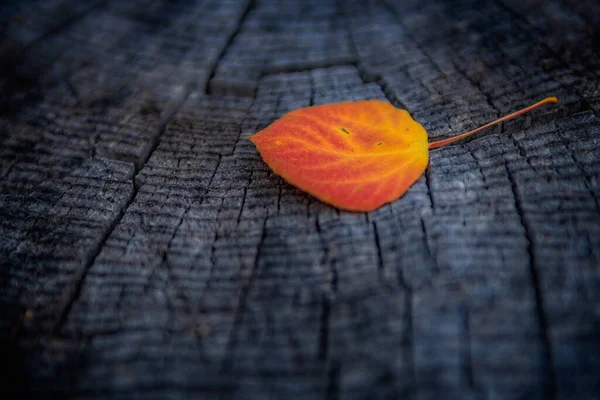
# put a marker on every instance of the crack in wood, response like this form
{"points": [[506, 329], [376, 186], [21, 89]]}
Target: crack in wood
{"points": [[323, 350], [361, 71], [550, 384], [380, 264], [213, 70], [428, 252], [332, 391], [73, 292], [228, 359], [429, 187], [305, 69], [333, 282]]}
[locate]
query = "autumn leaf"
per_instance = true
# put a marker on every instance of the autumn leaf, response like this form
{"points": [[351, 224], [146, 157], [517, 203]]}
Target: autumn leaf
{"points": [[357, 155]]}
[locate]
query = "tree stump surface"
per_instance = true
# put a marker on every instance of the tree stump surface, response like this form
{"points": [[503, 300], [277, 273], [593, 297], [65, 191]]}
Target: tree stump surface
{"points": [[147, 252]]}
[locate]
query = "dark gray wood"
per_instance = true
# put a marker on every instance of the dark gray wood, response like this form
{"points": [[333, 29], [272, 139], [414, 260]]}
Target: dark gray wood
{"points": [[146, 251]]}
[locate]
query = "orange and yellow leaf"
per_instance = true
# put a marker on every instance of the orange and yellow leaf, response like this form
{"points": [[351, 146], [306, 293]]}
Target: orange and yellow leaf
{"points": [[354, 155]]}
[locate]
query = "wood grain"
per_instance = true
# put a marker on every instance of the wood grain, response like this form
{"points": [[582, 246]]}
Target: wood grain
{"points": [[147, 252]]}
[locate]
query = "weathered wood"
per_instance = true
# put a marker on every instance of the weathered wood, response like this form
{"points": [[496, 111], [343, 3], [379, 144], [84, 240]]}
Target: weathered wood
{"points": [[146, 251]]}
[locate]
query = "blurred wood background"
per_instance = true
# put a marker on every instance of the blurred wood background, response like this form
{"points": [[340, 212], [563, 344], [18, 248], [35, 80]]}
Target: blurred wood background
{"points": [[147, 252]]}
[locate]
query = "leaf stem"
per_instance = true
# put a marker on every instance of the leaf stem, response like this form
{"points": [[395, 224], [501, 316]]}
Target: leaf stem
{"points": [[453, 139]]}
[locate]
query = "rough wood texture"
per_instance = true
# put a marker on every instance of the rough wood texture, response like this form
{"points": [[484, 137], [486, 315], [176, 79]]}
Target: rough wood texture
{"points": [[146, 251]]}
